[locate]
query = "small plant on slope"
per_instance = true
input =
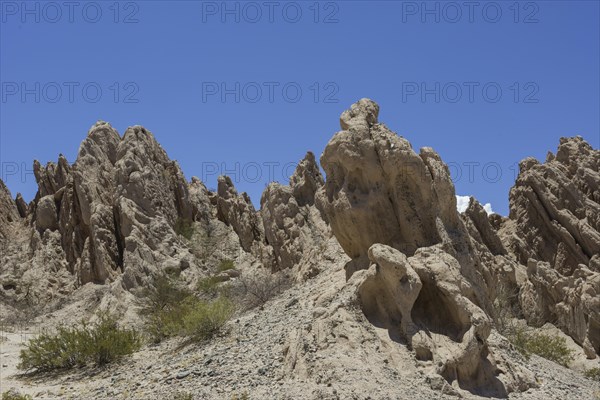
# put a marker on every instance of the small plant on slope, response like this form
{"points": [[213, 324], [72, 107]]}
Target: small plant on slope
{"points": [[553, 348], [97, 343]]}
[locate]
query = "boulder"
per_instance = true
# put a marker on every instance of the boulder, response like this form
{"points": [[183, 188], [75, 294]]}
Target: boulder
{"points": [[46, 215]]}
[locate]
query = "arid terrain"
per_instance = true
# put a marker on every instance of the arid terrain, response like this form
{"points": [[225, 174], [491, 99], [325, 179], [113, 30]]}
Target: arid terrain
{"points": [[362, 283]]}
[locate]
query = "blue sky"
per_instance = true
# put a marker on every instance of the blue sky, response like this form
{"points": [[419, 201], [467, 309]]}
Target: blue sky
{"points": [[246, 88]]}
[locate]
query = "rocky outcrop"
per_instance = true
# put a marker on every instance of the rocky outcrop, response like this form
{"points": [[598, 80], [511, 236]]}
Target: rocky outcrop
{"points": [[200, 198], [293, 226], [395, 210], [397, 274], [89, 212], [238, 212], [52, 177], [481, 228], [378, 190], [33, 270], [554, 229], [22, 206], [113, 212], [572, 303], [8, 210], [555, 207], [151, 197], [46, 214], [424, 301], [389, 290], [306, 180]]}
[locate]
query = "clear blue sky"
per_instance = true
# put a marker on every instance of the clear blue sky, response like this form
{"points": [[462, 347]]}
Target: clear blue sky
{"points": [[163, 64]]}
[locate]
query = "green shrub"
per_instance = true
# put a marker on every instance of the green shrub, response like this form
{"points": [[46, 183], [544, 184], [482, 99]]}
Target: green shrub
{"points": [[243, 396], [12, 395], [593, 374], [107, 342], [185, 228], [206, 319], [164, 294], [209, 285], [194, 318], [225, 265], [172, 311], [183, 396], [98, 343], [553, 348]]}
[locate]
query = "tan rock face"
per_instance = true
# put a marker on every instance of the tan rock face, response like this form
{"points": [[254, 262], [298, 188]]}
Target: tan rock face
{"points": [[293, 227], [91, 199], [389, 291], [572, 302], [114, 210], [33, 270], [306, 180], [22, 206], [554, 229], [151, 196], [8, 210], [46, 215], [386, 203], [238, 211], [556, 208], [483, 228], [52, 177], [419, 279], [424, 301], [200, 198], [378, 190]]}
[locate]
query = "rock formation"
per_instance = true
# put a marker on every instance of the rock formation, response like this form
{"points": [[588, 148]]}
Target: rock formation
{"points": [[555, 207], [112, 214], [481, 228], [378, 190], [386, 203], [293, 226], [151, 196], [554, 229], [392, 270], [238, 211], [572, 303], [8, 211], [424, 301]]}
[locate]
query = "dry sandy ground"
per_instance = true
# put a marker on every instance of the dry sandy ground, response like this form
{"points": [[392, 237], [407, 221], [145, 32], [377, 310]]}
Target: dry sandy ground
{"points": [[250, 358]]}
